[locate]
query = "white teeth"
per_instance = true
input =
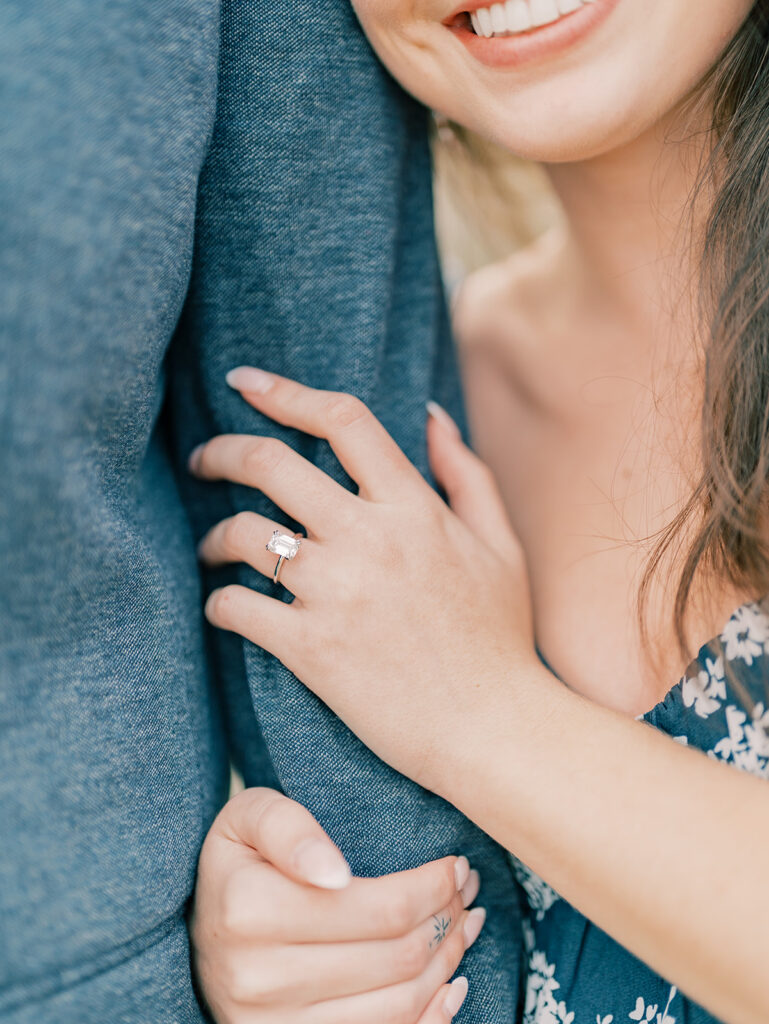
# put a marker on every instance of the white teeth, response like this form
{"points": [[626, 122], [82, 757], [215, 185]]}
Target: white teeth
{"points": [[518, 15], [514, 16], [484, 16], [543, 12], [498, 19]]}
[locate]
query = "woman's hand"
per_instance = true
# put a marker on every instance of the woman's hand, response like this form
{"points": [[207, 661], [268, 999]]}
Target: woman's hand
{"points": [[282, 934], [404, 607]]}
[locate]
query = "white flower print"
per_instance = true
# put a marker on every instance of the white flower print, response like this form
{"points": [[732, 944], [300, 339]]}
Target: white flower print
{"points": [[747, 745], [539, 895], [746, 633], [733, 734], [707, 689], [648, 1014], [541, 1005], [643, 1012]]}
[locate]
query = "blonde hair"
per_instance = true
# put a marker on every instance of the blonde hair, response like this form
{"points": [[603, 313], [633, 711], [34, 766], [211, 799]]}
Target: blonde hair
{"points": [[488, 203]]}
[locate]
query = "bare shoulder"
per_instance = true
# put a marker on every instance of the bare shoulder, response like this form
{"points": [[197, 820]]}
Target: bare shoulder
{"points": [[516, 300]]}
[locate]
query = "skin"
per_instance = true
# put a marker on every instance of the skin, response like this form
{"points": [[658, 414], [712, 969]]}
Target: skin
{"points": [[282, 933], [623, 81], [485, 695], [587, 347]]}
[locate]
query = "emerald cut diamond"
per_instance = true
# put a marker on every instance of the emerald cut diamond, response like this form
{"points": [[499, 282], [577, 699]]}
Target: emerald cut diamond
{"points": [[283, 544]]}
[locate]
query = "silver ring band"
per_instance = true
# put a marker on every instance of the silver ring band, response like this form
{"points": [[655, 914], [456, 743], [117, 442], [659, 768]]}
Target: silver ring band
{"points": [[286, 547], [278, 567]]}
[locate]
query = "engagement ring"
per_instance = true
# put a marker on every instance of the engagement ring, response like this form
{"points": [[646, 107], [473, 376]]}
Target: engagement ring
{"points": [[285, 547]]}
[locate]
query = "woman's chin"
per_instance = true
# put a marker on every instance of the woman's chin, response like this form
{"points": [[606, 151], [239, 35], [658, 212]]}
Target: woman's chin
{"points": [[551, 140]]}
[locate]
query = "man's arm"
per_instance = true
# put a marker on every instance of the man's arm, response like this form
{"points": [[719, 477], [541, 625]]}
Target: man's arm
{"points": [[315, 258], [111, 758]]}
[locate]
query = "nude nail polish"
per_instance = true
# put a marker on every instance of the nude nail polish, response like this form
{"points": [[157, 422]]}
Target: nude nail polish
{"points": [[461, 872], [455, 996], [474, 922], [321, 865], [248, 378], [471, 888], [439, 413], [194, 458]]}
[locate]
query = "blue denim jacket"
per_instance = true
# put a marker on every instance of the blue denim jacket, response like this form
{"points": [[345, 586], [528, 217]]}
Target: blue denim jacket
{"points": [[185, 188]]}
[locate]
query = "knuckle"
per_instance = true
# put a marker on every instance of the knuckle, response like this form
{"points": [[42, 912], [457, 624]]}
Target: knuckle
{"points": [[351, 591], [383, 539], [347, 512], [235, 917], [236, 533], [244, 982], [407, 1006], [452, 952], [456, 907], [343, 410], [443, 884], [412, 955], [269, 817], [264, 454], [236, 983], [398, 915], [390, 554]]}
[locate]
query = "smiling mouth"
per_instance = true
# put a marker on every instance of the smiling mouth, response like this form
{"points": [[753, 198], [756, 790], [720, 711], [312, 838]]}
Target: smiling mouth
{"points": [[516, 16]]}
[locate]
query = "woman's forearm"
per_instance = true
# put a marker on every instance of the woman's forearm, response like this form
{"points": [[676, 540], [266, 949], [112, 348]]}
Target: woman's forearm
{"points": [[660, 846]]}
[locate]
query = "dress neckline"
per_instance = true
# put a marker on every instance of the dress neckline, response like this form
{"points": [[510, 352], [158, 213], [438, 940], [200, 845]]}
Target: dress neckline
{"points": [[712, 648]]}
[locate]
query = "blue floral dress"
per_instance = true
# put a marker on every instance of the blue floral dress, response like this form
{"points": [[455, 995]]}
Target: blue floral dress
{"points": [[577, 974]]}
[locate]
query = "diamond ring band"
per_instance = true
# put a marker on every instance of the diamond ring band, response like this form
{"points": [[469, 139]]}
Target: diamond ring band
{"points": [[285, 547]]}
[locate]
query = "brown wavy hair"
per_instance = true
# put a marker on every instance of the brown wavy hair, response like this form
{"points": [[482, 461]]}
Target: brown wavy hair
{"points": [[722, 528]]}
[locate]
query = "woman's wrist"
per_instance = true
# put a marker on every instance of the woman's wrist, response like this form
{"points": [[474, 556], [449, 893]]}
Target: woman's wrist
{"points": [[515, 716]]}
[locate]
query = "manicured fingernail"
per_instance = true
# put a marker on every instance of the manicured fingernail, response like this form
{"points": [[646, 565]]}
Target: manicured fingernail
{"points": [[193, 460], [471, 929], [471, 888], [321, 864], [455, 996], [248, 378], [461, 872], [439, 413]]}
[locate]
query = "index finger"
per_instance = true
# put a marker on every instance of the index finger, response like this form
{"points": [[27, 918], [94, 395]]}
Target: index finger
{"points": [[365, 449], [286, 835], [277, 909]]}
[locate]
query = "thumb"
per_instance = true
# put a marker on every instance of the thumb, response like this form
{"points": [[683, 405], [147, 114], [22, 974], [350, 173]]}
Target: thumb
{"points": [[286, 835], [469, 484]]}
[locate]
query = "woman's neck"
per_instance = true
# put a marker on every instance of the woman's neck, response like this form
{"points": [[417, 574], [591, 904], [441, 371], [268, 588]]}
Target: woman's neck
{"points": [[636, 217], [630, 219]]}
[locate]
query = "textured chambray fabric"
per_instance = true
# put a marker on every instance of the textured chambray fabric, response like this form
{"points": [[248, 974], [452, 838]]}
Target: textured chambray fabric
{"points": [[111, 759], [308, 238]]}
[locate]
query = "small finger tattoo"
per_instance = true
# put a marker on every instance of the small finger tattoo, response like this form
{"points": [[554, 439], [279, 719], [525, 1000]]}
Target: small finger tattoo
{"points": [[441, 926]]}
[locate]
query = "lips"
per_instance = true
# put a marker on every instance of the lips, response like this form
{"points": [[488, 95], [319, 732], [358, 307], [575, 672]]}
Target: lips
{"points": [[515, 16], [517, 32]]}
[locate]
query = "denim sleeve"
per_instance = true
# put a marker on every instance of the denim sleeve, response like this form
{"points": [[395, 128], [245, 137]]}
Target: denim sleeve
{"points": [[315, 257], [112, 757]]}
